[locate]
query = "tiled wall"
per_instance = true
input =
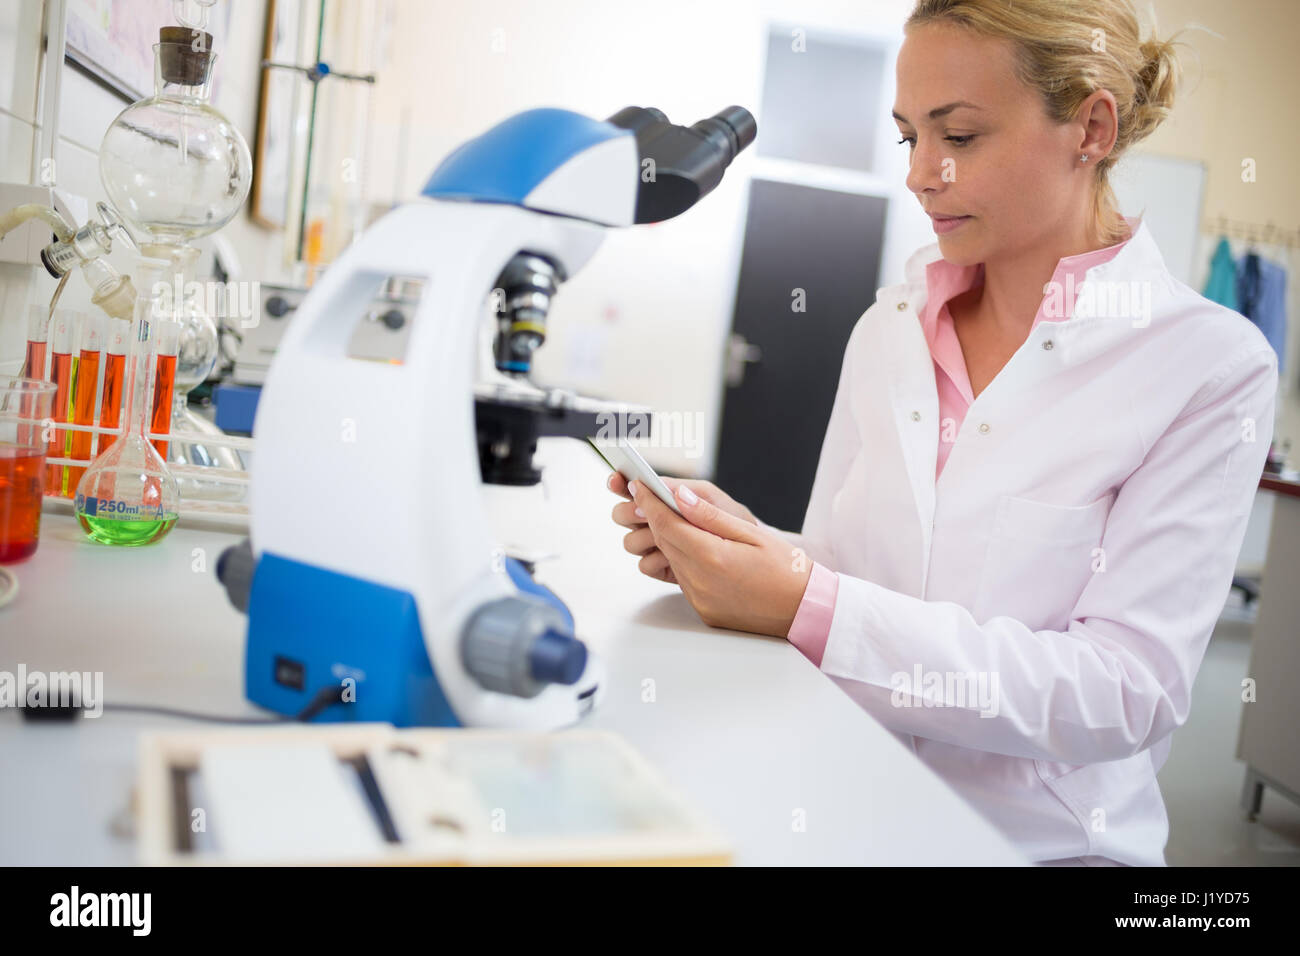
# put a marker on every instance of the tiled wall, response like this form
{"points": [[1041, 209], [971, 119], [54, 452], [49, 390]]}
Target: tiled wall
{"points": [[85, 111]]}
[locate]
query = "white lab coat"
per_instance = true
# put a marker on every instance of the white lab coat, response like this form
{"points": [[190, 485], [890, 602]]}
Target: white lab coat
{"points": [[1077, 548]]}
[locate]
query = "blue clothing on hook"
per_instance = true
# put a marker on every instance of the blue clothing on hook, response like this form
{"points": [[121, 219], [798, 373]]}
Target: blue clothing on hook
{"points": [[1221, 287], [1261, 297]]}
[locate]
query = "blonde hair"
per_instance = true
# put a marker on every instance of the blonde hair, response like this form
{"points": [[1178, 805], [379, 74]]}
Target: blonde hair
{"points": [[1067, 50]]}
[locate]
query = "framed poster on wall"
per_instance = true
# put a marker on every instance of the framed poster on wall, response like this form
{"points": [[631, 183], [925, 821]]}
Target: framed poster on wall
{"points": [[112, 40]]}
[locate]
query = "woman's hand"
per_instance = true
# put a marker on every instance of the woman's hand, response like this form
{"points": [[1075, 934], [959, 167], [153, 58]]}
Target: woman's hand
{"points": [[641, 541], [733, 573]]}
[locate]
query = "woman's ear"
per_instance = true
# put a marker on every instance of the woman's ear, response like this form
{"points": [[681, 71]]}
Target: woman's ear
{"points": [[1099, 116]]}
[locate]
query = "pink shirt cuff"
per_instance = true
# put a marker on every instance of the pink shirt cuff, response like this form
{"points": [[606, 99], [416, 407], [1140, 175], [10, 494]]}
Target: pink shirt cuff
{"points": [[812, 622]]}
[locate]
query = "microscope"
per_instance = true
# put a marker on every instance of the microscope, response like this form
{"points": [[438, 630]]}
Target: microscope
{"points": [[371, 579]]}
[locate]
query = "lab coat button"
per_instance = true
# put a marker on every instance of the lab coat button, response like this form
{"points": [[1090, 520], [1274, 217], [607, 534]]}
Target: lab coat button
{"points": [[984, 428], [902, 307], [916, 416], [1047, 344]]}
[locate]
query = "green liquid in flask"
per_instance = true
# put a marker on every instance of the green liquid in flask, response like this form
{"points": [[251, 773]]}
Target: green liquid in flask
{"points": [[126, 531]]}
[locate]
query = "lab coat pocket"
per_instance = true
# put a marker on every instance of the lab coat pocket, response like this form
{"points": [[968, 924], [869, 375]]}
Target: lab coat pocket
{"points": [[1039, 559], [1102, 796]]}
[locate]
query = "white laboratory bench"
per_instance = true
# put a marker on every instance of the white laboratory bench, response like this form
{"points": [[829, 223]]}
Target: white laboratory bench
{"points": [[743, 726]]}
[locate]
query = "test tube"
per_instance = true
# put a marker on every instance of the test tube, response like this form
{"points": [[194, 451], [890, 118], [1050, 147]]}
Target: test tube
{"points": [[34, 361], [84, 392], [61, 375], [167, 336], [110, 406], [38, 333]]}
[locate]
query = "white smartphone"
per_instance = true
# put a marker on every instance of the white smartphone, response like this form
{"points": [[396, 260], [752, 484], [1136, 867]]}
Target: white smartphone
{"points": [[627, 461]]}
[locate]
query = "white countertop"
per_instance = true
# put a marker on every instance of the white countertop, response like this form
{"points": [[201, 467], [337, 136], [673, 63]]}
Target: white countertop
{"points": [[744, 726]]}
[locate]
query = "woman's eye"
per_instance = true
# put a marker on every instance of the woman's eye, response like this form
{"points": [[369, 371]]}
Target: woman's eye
{"points": [[959, 140]]}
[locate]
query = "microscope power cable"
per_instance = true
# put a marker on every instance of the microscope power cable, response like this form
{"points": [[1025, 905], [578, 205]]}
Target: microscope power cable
{"points": [[325, 698]]}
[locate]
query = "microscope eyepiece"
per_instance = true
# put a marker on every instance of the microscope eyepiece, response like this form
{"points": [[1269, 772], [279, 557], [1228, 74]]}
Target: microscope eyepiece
{"points": [[686, 162], [731, 129]]}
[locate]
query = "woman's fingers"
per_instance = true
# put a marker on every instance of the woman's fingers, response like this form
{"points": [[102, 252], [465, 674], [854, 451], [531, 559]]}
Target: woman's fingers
{"points": [[624, 513], [704, 489], [618, 484], [640, 541], [712, 494], [655, 565]]}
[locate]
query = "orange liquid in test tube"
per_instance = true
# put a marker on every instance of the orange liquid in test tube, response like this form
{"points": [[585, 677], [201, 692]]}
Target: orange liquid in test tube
{"points": [[110, 405], [110, 408], [61, 376], [35, 366], [164, 384], [62, 370], [36, 360], [83, 413]]}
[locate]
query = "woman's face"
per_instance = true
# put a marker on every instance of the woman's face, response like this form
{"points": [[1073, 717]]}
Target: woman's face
{"points": [[997, 158]]}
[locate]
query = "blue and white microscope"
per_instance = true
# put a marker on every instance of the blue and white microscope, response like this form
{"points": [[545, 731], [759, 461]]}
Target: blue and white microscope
{"points": [[372, 564]]}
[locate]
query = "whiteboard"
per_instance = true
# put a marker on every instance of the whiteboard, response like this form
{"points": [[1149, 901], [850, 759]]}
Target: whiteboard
{"points": [[1171, 191]]}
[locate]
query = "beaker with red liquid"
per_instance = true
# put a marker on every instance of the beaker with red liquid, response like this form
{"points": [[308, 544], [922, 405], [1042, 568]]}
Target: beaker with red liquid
{"points": [[25, 407]]}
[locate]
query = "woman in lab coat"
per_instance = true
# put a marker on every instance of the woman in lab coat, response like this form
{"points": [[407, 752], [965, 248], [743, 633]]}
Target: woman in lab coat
{"points": [[1041, 456]]}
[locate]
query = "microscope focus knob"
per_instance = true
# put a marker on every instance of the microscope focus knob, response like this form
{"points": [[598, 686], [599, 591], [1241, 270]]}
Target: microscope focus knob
{"points": [[519, 644], [235, 570], [557, 658]]}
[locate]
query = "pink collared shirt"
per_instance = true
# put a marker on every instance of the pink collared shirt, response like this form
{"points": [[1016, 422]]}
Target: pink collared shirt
{"points": [[812, 621]]}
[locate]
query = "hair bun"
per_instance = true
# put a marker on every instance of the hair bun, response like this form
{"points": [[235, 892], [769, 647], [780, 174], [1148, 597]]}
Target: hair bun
{"points": [[1154, 87], [1159, 75]]}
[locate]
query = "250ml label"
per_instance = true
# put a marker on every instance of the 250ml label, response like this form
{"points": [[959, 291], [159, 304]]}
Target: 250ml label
{"points": [[112, 508]]}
